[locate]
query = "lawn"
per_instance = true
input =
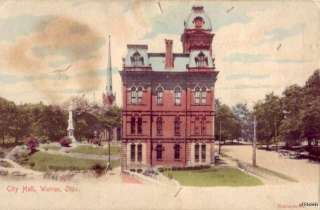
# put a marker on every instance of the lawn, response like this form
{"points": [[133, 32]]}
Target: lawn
{"points": [[51, 147], [221, 176], [114, 150], [42, 161]]}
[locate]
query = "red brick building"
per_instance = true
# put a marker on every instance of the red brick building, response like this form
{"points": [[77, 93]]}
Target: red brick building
{"points": [[168, 100]]}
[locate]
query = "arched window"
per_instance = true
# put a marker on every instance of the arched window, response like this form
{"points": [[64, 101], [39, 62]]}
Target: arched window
{"points": [[200, 95], [132, 152], [139, 152], [159, 150], [203, 95], [201, 60], [133, 125], [196, 152], [196, 126], [159, 93], [139, 125], [203, 152], [134, 97], [139, 95], [176, 151], [203, 126], [137, 59], [197, 95], [159, 126], [177, 123], [177, 96]]}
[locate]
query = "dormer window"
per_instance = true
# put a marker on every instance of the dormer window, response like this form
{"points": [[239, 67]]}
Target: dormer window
{"points": [[198, 22], [201, 60], [137, 59]]}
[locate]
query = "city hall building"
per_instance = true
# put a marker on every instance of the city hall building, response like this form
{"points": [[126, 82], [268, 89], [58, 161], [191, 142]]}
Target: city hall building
{"points": [[168, 100]]}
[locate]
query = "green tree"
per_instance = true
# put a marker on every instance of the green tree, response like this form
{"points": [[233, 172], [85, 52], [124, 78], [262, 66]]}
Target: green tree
{"points": [[244, 116], [7, 115], [21, 123], [230, 125], [269, 115], [51, 123], [311, 114], [291, 125]]}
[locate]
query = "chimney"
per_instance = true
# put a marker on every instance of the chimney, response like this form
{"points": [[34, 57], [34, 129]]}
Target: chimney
{"points": [[168, 54]]}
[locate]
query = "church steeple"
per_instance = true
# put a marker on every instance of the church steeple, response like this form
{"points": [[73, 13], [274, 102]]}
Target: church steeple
{"points": [[109, 97], [109, 72]]}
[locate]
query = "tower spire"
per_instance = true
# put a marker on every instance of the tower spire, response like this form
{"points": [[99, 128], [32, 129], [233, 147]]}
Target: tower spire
{"points": [[109, 97], [109, 71]]}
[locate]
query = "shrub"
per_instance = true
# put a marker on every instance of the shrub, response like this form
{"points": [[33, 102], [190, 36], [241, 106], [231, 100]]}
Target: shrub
{"points": [[98, 169], [2, 154], [65, 141], [22, 158], [44, 140], [161, 170], [32, 144]]}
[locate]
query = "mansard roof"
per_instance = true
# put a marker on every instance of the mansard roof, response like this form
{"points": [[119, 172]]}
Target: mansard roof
{"points": [[157, 62]]}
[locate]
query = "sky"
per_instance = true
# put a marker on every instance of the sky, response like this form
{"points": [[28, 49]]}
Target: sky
{"points": [[259, 46]]}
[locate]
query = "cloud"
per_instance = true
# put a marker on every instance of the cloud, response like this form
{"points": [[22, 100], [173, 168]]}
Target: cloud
{"points": [[279, 34], [171, 20], [63, 40], [244, 58], [246, 86], [14, 27], [247, 76]]}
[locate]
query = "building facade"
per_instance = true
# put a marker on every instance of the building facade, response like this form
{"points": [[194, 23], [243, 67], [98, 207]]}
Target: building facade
{"points": [[168, 101]]}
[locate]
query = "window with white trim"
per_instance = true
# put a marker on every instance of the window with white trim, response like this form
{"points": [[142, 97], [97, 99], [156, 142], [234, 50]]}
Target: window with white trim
{"points": [[139, 95], [177, 96], [134, 97], [159, 95]]}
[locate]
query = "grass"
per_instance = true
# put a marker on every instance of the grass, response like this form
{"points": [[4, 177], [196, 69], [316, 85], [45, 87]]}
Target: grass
{"points": [[42, 161], [114, 150], [51, 147], [258, 170], [221, 176], [277, 174]]}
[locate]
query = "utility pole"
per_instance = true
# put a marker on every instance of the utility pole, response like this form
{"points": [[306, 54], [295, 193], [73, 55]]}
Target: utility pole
{"points": [[219, 136], [109, 139], [254, 164], [275, 134]]}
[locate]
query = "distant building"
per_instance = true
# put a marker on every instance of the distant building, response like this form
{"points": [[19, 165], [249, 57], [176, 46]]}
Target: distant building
{"points": [[168, 100]]}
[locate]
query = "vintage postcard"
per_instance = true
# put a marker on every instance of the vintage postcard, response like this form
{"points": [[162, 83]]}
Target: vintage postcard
{"points": [[178, 105]]}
